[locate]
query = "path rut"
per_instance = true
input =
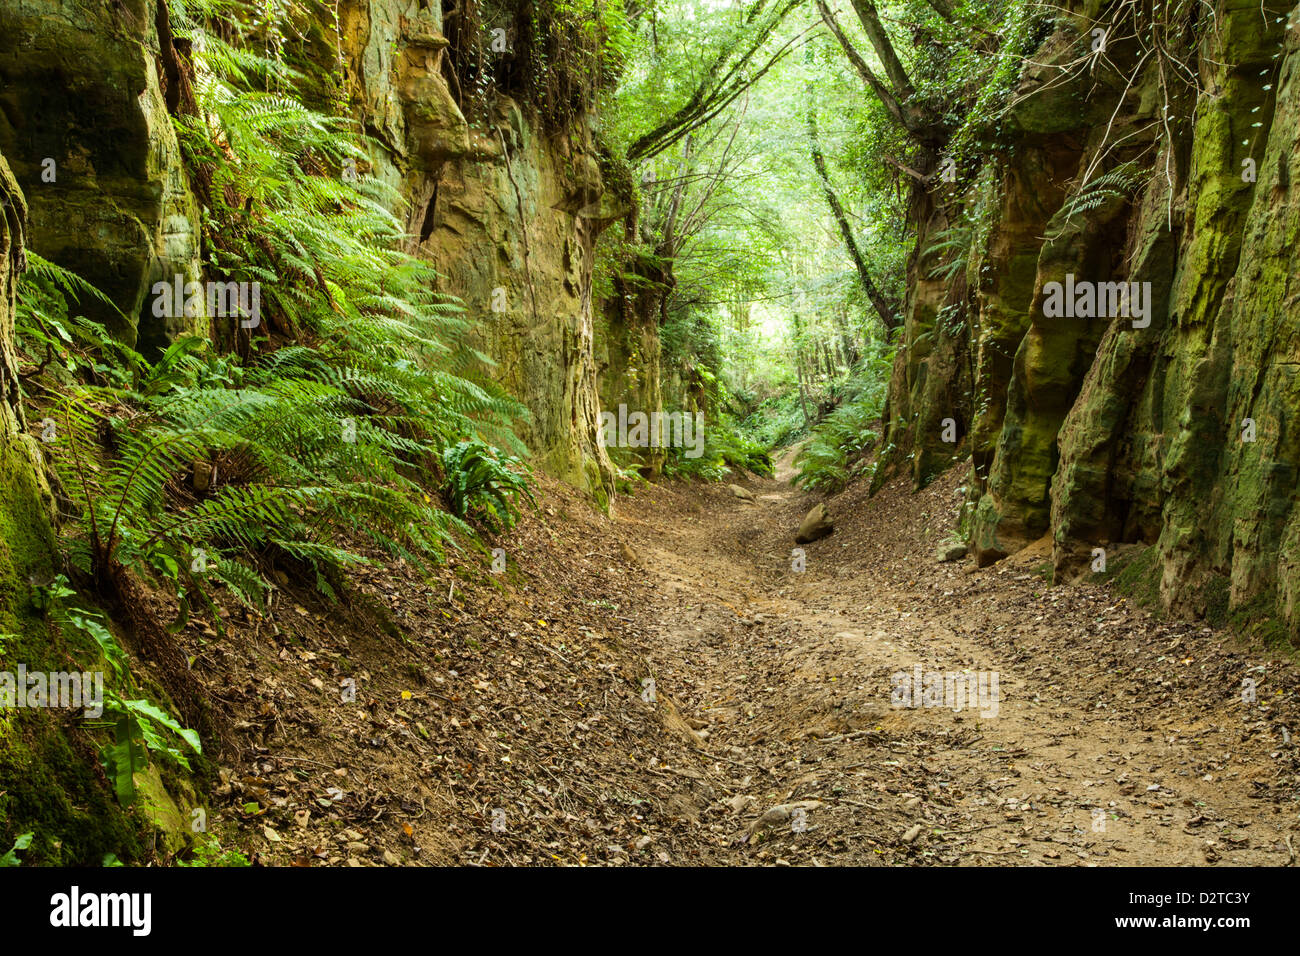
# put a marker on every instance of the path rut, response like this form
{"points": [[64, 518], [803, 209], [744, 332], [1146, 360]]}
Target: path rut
{"points": [[1119, 738]]}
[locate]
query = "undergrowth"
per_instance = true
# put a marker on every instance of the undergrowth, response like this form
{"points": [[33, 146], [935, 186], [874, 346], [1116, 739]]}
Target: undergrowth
{"points": [[836, 450], [335, 418], [726, 450]]}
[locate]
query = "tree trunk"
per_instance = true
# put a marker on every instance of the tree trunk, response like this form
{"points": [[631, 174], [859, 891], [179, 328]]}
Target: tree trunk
{"points": [[848, 345], [878, 300]]}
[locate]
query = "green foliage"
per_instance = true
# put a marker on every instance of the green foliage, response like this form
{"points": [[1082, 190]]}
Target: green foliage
{"points": [[839, 442], [777, 421], [11, 857], [627, 478], [725, 449], [764, 297], [953, 244], [972, 66], [202, 464], [738, 451], [559, 56], [47, 326], [208, 852], [139, 727], [293, 460], [1119, 183], [483, 484]]}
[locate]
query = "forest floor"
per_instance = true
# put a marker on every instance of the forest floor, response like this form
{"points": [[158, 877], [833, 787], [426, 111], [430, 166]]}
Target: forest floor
{"points": [[509, 720]]}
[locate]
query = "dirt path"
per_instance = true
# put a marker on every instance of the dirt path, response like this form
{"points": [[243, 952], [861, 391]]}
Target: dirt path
{"points": [[505, 720], [1118, 739]]}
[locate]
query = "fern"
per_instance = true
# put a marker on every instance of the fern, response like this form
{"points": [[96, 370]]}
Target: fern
{"points": [[826, 461], [482, 483], [1119, 183], [724, 449], [45, 323], [208, 460], [955, 240], [139, 726]]}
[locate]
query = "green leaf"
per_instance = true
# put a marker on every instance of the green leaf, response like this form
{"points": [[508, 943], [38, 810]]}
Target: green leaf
{"points": [[11, 858]]}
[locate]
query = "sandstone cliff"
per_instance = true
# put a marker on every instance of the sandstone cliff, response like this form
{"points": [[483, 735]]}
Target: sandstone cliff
{"points": [[1168, 430]]}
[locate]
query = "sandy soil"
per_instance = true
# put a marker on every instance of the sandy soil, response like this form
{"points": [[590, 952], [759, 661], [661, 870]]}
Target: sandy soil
{"points": [[509, 719], [1117, 739]]}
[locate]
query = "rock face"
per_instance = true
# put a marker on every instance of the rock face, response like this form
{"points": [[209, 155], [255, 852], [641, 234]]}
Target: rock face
{"points": [[817, 524], [1170, 428], [507, 209], [504, 229], [85, 124], [26, 540], [628, 348]]}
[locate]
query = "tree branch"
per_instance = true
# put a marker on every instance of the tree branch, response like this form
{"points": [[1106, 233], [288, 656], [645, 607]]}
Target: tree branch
{"points": [[846, 229], [883, 92], [880, 42], [722, 82]]}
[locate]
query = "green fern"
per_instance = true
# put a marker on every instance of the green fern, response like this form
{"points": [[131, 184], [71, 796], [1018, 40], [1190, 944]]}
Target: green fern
{"points": [[483, 484], [332, 435], [1119, 183], [956, 241], [826, 461]]}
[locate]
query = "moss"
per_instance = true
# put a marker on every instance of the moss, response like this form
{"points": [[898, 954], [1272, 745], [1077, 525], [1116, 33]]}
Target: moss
{"points": [[596, 484], [1216, 595], [52, 783], [1258, 620], [26, 541], [158, 806], [1136, 575]]}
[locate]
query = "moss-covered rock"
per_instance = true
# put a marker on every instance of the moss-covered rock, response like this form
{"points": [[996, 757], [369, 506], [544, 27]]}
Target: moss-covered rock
{"points": [[504, 210], [1177, 435], [85, 125], [51, 784]]}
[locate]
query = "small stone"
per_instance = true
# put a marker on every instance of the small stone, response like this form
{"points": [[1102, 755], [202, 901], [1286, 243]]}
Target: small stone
{"points": [[817, 524], [953, 551], [779, 814], [743, 493], [740, 802]]}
